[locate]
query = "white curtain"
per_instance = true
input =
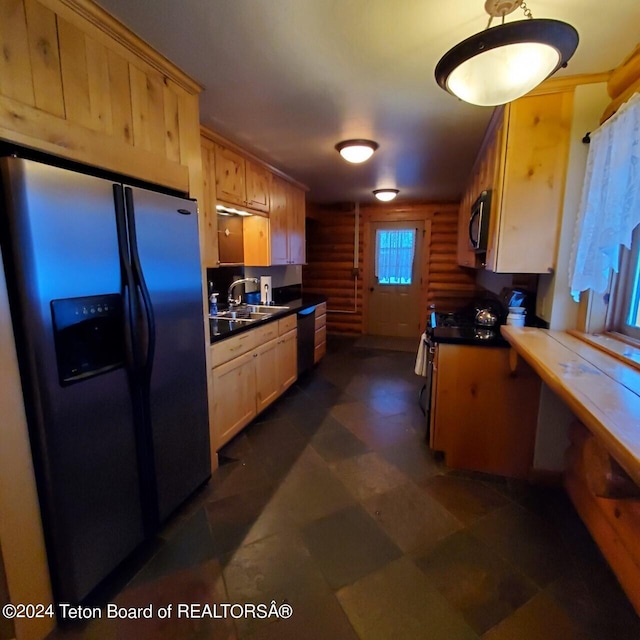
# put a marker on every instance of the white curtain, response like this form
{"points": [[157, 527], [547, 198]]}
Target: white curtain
{"points": [[610, 204], [394, 255]]}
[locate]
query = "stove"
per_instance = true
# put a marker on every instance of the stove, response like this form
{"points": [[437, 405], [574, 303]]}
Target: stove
{"points": [[459, 328]]}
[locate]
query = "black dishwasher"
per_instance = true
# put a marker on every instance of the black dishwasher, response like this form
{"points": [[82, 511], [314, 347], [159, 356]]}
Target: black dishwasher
{"points": [[306, 336]]}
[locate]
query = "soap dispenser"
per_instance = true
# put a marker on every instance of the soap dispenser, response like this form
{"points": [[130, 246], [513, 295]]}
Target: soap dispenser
{"points": [[213, 304]]}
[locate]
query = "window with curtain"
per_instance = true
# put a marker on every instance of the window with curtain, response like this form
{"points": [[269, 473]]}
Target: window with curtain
{"points": [[610, 208], [395, 249]]}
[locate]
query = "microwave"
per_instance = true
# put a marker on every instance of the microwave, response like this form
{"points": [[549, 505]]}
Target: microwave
{"points": [[479, 222]]}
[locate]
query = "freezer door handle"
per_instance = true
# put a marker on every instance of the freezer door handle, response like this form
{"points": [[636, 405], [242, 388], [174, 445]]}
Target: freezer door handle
{"points": [[141, 287], [128, 287]]}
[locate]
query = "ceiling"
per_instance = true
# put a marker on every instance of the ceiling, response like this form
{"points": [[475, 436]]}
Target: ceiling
{"points": [[288, 79]]}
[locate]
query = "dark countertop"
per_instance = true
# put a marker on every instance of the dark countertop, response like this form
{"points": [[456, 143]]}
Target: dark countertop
{"points": [[470, 336], [221, 329]]}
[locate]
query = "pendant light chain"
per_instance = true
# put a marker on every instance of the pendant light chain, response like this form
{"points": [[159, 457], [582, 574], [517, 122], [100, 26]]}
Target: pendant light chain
{"points": [[527, 11]]}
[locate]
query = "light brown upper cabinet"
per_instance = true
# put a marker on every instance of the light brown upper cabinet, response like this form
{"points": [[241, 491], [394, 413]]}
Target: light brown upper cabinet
{"points": [[239, 181], [280, 239], [287, 223], [76, 83], [523, 160]]}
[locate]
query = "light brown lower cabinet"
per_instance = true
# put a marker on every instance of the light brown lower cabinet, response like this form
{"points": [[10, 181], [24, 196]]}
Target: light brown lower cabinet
{"points": [[483, 414], [320, 338], [248, 375]]}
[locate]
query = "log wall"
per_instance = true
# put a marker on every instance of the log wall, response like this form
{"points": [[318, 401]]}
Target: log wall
{"points": [[330, 259]]}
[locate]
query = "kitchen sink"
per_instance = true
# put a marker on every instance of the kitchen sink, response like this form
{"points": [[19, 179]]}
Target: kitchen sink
{"points": [[266, 308], [248, 313]]}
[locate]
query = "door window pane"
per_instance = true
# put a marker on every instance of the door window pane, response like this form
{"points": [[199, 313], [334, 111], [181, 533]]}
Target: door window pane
{"points": [[394, 255]]}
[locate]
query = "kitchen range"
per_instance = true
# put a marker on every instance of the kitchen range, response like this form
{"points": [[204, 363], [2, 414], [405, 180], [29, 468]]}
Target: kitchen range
{"points": [[472, 397]]}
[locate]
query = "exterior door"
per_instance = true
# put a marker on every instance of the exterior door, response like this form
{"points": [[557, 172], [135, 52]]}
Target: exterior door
{"points": [[394, 281]]}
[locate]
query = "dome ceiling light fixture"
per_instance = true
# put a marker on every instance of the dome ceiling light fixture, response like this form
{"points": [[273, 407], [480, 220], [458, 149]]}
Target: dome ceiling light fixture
{"points": [[356, 151], [503, 63], [386, 195]]}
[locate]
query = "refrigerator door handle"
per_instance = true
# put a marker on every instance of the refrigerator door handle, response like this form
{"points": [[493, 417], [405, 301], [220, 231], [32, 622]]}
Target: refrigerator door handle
{"points": [[141, 286], [128, 286]]}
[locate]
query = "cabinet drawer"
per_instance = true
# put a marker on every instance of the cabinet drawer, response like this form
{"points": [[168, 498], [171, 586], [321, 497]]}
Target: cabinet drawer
{"points": [[232, 348], [287, 324], [266, 333], [321, 336], [321, 321], [235, 346], [319, 351], [321, 309]]}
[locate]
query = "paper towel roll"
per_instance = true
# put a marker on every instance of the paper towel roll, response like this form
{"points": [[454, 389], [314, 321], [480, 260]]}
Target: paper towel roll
{"points": [[265, 289]]}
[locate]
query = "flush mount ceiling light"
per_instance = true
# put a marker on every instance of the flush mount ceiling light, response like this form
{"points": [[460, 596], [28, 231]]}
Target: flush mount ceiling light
{"points": [[503, 63], [386, 195], [356, 151]]}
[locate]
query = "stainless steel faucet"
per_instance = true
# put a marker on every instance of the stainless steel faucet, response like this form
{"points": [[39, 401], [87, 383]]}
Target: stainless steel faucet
{"points": [[234, 301]]}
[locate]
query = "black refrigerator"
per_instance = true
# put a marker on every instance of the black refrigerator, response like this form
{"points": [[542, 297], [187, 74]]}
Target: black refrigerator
{"points": [[106, 302]]}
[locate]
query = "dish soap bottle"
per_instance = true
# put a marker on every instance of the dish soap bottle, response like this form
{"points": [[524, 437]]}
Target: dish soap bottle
{"points": [[213, 304]]}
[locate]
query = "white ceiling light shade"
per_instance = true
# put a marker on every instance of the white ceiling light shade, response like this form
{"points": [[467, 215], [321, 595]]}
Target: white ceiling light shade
{"points": [[505, 62], [356, 151], [385, 195]]}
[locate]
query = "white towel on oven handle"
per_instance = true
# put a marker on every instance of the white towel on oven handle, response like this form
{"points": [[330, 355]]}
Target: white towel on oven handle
{"points": [[421, 358]]}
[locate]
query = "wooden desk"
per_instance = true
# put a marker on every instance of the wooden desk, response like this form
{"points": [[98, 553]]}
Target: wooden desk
{"points": [[600, 390], [604, 393]]}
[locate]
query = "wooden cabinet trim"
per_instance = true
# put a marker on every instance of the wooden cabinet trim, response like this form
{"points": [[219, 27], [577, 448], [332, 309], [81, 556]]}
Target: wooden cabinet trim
{"points": [[42, 131], [214, 137], [114, 30]]}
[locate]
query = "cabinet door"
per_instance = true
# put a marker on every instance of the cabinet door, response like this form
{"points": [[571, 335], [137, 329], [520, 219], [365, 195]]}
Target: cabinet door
{"points": [[295, 224], [230, 176], [268, 385], [533, 177], [258, 187], [233, 397], [278, 221], [287, 359], [256, 241], [207, 208], [485, 414]]}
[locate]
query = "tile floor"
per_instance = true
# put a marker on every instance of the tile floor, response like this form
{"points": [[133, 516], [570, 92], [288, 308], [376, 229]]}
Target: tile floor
{"points": [[332, 502]]}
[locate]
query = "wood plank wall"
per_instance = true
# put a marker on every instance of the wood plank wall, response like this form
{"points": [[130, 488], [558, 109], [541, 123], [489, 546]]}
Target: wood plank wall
{"points": [[330, 250], [330, 240]]}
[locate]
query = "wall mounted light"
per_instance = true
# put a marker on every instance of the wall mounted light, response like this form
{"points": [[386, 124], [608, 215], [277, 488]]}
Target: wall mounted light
{"points": [[386, 195], [356, 151], [503, 63]]}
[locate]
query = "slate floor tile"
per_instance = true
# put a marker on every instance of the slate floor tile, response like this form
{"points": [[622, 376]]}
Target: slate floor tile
{"points": [[236, 476], [347, 545], [335, 442], [376, 430], [277, 568], [416, 461], [308, 493], [539, 619], [367, 475], [526, 541], [476, 581], [239, 520], [396, 601], [323, 618], [189, 545], [467, 499], [413, 520]]}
